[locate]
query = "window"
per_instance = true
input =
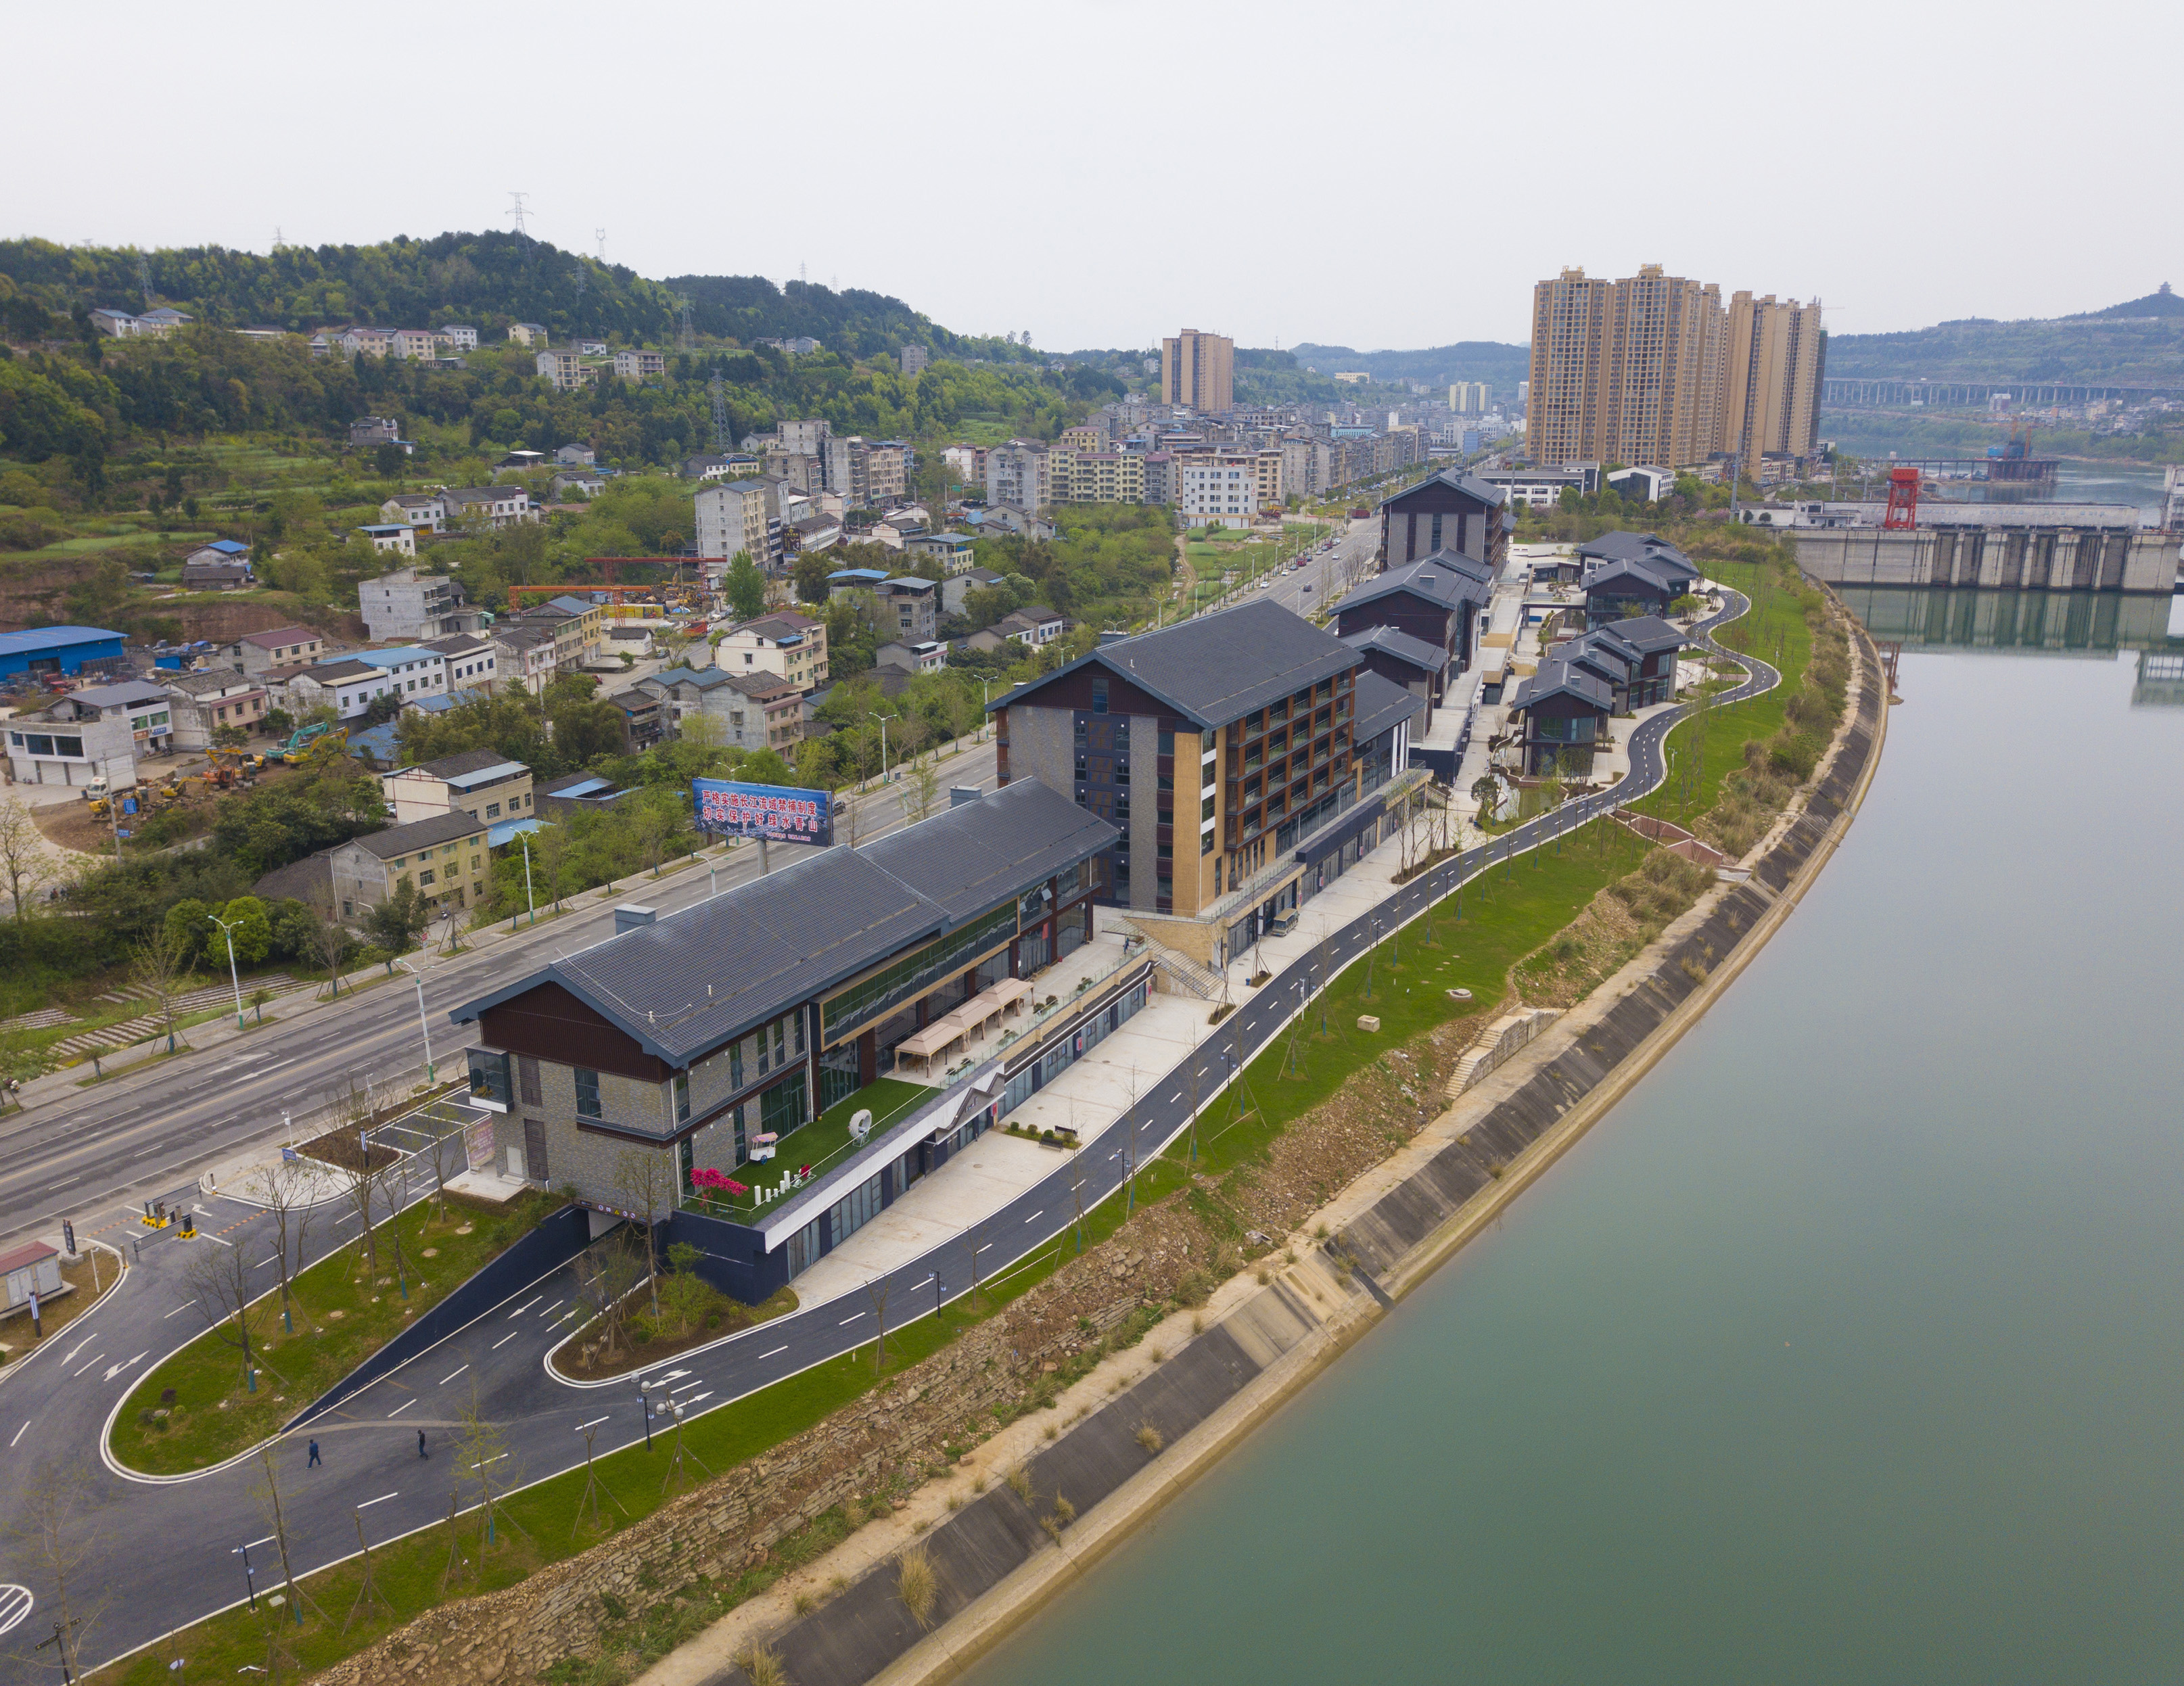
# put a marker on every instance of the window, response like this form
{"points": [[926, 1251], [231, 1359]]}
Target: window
{"points": [[426, 878], [679, 1088], [587, 1093], [526, 1078]]}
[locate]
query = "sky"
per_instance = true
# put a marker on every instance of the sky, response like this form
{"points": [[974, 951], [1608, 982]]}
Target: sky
{"points": [[1375, 173]]}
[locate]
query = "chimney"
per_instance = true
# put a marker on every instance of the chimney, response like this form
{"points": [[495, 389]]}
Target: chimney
{"points": [[629, 916], [958, 795]]}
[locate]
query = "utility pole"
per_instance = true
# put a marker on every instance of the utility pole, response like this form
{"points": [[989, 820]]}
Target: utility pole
{"points": [[515, 209], [424, 1025]]}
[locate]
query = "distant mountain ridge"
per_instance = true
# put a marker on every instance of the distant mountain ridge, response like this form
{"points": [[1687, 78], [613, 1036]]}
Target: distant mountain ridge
{"points": [[2139, 342], [1500, 366]]}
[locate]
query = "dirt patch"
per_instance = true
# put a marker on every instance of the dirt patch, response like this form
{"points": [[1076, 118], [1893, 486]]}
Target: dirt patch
{"points": [[343, 1146]]}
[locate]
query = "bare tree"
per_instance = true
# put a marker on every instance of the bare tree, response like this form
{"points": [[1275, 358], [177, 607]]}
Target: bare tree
{"points": [[483, 1454], [284, 1191], [393, 1182], [276, 1517], [644, 1179], [50, 1528], [219, 1279], [330, 940], [25, 859], [849, 820], [158, 965], [605, 1275], [876, 1291]]}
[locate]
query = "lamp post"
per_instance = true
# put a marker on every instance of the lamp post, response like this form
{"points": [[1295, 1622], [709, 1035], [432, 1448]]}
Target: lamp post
{"points": [[524, 838], [424, 1025], [883, 720], [644, 1404], [233, 977]]}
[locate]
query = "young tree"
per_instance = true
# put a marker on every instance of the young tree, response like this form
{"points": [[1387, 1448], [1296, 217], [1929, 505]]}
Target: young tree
{"points": [[285, 1192], [605, 1275], [646, 1180], [920, 792], [50, 1529], [396, 923], [329, 939], [746, 588], [218, 1276], [24, 859], [156, 967]]}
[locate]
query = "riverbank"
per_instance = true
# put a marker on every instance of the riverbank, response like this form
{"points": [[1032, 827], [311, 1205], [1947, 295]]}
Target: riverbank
{"points": [[1267, 1333]]}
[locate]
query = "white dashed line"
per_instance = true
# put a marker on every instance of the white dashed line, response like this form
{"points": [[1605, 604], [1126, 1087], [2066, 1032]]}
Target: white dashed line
{"points": [[381, 1500], [184, 1306], [527, 1306], [550, 1309], [687, 1385], [846, 1322], [399, 1409], [444, 1380], [506, 1339], [92, 1365], [1041, 1212], [776, 1352], [19, 1432], [593, 1423]]}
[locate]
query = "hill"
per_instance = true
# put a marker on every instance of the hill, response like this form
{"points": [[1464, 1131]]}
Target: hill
{"points": [[487, 280], [2139, 342], [1499, 366]]}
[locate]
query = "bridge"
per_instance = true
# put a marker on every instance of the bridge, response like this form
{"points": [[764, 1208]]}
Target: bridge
{"points": [[1862, 391]]}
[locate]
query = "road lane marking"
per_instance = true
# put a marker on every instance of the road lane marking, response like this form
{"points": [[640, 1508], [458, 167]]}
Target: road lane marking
{"points": [[846, 1322], [1041, 1212], [78, 1348], [593, 1423], [776, 1352], [695, 1398], [381, 1500], [63, 1183], [19, 1432], [263, 1263], [495, 1459], [116, 1369], [915, 1286], [399, 1409], [504, 1340], [444, 1380], [688, 1385], [184, 1306], [527, 1306], [92, 1365], [550, 1309]]}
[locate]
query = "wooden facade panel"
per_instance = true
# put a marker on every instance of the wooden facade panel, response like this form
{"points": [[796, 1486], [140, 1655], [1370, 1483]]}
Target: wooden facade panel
{"points": [[550, 1023]]}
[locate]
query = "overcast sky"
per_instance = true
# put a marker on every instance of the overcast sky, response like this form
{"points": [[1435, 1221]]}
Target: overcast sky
{"points": [[1100, 172]]}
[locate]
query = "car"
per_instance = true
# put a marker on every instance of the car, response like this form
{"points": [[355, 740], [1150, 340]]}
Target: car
{"points": [[1306, 588], [1302, 562]]}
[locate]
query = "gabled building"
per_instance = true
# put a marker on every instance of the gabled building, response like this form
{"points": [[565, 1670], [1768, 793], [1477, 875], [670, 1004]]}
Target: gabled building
{"points": [[1561, 713], [1440, 601], [1635, 659], [1224, 749], [1628, 574], [483, 783], [1397, 656], [1451, 512], [700, 1038], [786, 644], [446, 857], [748, 711], [213, 699], [472, 665], [956, 588], [255, 652], [490, 506]]}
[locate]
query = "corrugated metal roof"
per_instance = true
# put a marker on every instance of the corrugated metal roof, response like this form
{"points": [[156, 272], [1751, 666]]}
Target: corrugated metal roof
{"points": [[39, 638]]}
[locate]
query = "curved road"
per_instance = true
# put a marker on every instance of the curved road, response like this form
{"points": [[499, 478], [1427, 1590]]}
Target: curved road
{"points": [[170, 1544]]}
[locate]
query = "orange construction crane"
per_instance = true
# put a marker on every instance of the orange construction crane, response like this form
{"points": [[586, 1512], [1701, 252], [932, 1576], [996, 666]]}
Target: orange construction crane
{"points": [[516, 592]]}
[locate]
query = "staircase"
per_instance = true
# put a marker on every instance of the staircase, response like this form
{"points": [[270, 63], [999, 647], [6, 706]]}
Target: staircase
{"points": [[1182, 972]]}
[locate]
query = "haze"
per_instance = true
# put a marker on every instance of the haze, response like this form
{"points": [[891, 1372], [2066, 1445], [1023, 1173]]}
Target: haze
{"points": [[1099, 174]]}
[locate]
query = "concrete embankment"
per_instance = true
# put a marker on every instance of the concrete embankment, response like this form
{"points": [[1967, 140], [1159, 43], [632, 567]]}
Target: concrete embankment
{"points": [[1009, 1549]]}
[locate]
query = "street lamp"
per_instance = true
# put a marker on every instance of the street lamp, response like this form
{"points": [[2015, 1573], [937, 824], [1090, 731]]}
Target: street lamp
{"points": [[644, 1404], [233, 977], [524, 838], [883, 720], [432, 1072]]}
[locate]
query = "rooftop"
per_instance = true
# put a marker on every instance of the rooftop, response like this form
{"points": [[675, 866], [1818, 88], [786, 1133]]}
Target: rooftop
{"points": [[1215, 667], [684, 985], [419, 834], [39, 638], [1432, 658], [1381, 706], [474, 766]]}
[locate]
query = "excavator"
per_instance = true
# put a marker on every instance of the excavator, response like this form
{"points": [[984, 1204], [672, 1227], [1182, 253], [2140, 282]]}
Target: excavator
{"points": [[300, 740]]}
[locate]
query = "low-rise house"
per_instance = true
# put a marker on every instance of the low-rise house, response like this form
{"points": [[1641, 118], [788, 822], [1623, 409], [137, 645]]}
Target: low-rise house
{"points": [[256, 653], [1034, 625], [644, 719], [417, 670], [491, 506], [588, 481], [425, 511], [1010, 519], [457, 336], [118, 323], [1628, 574], [926, 658], [577, 455], [566, 368], [750, 711], [742, 467], [786, 644], [222, 566], [483, 783], [410, 606], [214, 699], [162, 321], [951, 550], [391, 538], [360, 341], [575, 793], [446, 857], [639, 365], [813, 533], [1561, 713], [1420, 668], [524, 655], [528, 333], [577, 628], [1635, 659], [103, 729], [906, 609], [956, 588], [346, 687], [1438, 600], [472, 663]]}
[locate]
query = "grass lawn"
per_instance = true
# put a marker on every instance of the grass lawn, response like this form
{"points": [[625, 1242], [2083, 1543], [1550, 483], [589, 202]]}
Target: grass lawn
{"points": [[343, 1317], [823, 1142], [1775, 632]]}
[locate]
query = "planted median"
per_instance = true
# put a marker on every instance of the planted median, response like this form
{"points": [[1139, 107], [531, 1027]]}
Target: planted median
{"points": [[261, 1359]]}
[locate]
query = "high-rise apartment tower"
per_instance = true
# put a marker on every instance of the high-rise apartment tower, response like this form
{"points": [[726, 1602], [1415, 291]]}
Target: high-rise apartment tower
{"points": [[1198, 370]]}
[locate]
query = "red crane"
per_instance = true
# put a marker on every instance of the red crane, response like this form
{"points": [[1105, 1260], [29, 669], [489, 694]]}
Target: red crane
{"points": [[1902, 499]]}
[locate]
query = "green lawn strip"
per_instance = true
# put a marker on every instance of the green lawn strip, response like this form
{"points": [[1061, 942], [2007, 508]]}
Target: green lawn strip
{"points": [[1776, 633], [215, 1415], [824, 1139], [1508, 913]]}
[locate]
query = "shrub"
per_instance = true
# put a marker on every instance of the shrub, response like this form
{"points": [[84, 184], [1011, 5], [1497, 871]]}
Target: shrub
{"points": [[1020, 1483], [1150, 1437], [916, 1585], [764, 1667]]}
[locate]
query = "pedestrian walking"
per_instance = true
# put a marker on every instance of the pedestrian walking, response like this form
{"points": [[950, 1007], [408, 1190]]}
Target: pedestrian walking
{"points": [[421, 1452], [313, 1463]]}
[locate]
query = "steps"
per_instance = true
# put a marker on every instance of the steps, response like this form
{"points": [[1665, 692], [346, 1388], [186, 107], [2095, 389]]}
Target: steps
{"points": [[130, 1031]]}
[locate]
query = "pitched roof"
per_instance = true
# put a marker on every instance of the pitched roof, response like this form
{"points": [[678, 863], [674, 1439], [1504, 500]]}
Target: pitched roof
{"points": [[338, 672], [418, 834], [464, 762], [695, 978], [1431, 657], [37, 639], [1647, 634], [1381, 705], [1558, 677], [1214, 668], [1470, 484], [1431, 581]]}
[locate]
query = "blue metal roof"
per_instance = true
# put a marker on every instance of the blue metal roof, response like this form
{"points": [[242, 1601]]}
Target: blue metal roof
{"points": [[584, 789], [227, 547], [497, 835], [398, 655], [37, 639]]}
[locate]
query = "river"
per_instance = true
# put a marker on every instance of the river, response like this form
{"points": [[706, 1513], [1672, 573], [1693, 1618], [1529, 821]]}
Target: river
{"points": [[1846, 1348]]}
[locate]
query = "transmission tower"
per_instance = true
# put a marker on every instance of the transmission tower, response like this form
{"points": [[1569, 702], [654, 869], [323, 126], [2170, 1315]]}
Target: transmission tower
{"points": [[144, 278], [720, 396], [688, 337], [278, 242], [515, 208], [602, 235]]}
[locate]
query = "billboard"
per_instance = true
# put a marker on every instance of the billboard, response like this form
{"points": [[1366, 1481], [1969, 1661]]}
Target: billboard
{"points": [[777, 813]]}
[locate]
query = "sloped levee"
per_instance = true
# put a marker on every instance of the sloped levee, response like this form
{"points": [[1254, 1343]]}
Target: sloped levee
{"points": [[1269, 1342]]}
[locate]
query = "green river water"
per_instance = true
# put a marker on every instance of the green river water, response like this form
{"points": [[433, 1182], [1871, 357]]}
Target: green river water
{"points": [[1846, 1349]]}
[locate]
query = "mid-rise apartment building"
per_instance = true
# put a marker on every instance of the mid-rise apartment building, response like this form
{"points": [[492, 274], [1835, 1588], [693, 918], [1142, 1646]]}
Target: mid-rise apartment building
{"points": [[740, 515], [1198, 370], [1223, 488], [786, 645], [566, 368], [1019, 474], [866, 472], [1097, 476], [408, 605]]}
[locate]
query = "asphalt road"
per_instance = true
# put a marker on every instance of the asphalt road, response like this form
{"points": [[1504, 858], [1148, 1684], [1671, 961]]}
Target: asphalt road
{"points": [[170, 1544], [148, 1134]]}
